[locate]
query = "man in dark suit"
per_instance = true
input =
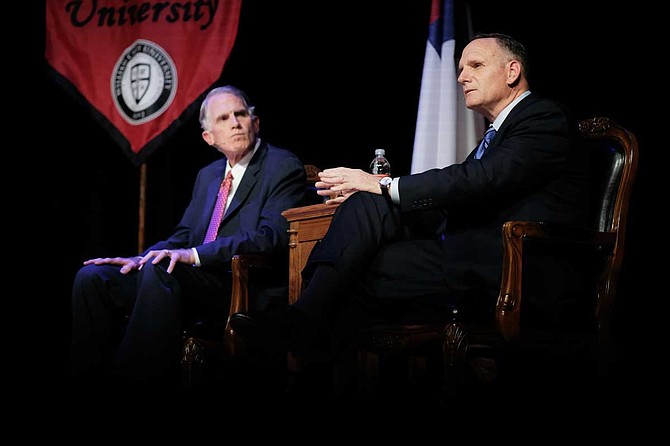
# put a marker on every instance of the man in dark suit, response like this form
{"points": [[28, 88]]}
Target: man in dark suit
{"points": [[185, 271], [438, 233]]}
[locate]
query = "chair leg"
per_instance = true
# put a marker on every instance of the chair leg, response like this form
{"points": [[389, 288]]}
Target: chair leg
{"points": [[454, 349], [191, 362]]}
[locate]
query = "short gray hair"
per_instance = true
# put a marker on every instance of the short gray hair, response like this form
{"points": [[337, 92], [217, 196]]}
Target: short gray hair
{"points": [[228, 89]]}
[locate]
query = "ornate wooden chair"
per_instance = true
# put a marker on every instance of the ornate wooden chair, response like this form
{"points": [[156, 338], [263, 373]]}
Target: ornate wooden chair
{"points": [[478, 350]]}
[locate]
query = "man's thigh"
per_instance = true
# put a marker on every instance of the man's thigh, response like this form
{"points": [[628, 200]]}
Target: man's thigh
{"points": [[407, 269]]}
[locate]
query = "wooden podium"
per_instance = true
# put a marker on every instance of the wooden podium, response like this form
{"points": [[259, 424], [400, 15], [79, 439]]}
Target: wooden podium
{"points": [[307, 225]]}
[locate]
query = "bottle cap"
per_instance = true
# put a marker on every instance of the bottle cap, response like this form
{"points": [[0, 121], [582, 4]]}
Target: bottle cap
{"points": [[380, 152]]}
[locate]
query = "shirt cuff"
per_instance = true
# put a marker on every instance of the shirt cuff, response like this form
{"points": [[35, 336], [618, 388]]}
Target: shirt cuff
{"points": [[395, 192], [196, 257]]}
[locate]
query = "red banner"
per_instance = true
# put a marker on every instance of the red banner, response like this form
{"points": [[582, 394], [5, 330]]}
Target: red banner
{"points": [[141, 65]]}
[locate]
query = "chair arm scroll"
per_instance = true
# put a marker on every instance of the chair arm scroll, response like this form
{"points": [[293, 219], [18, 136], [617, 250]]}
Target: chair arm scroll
{"points": [[509, 300]]}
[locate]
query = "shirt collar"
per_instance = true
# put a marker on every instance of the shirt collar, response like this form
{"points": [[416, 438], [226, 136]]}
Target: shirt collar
{"points": [[503, 114]]}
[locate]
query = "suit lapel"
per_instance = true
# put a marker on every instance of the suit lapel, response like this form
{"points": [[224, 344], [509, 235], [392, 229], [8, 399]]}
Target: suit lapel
{"points": [[511, 118], [213, 188], [249, 180]]}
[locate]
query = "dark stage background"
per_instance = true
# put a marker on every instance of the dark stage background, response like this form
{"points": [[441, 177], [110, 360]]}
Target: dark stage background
{"points": [[332, 81]]}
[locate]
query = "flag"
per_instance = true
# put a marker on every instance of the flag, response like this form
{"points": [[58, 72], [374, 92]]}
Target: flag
{"points": [[446, 131], [139, 67]]}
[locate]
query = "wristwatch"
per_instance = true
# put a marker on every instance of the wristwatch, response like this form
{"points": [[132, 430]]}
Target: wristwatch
{"points": [[384, 184]]}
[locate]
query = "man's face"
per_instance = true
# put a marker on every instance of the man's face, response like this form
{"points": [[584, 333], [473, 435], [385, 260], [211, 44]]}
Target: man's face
{"points": [[483, 72], [232, 130]]}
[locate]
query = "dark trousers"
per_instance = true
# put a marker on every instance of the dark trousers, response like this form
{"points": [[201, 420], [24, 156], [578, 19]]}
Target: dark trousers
{"points": [[130, 324], [373, 250]]}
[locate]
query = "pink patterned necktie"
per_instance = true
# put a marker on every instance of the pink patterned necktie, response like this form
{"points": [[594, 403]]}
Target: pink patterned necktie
{"points": [[219, 208]]}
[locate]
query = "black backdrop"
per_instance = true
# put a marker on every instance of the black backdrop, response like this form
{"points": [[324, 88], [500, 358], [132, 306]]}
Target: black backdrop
{"points": [[331, 82]]}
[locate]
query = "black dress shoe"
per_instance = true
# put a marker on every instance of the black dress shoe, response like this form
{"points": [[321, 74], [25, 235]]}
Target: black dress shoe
{"points": [[288, 330], [261, 331]]}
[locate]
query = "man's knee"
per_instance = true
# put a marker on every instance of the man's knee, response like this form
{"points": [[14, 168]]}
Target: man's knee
{"points": [[158, 271], [365, 199], [88, 274]]}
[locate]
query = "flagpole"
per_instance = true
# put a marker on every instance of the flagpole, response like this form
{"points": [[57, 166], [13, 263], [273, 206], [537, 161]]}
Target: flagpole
{"points": [[142, 208]]}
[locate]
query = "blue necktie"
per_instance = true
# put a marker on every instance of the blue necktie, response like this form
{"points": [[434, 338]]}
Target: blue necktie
{"points": [[488, 136]]}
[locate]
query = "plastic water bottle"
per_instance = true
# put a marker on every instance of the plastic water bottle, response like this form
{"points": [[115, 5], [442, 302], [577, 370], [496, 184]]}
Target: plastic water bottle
{"points": [[380, 165]]}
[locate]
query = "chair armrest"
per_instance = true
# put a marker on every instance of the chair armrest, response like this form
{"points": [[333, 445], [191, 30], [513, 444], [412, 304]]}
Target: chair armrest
{"points": [[565, 237], [241, 265]]}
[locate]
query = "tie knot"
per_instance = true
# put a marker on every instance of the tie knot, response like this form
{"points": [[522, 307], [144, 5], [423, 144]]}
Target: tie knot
{"points": [[227, 180], [490, 133]]}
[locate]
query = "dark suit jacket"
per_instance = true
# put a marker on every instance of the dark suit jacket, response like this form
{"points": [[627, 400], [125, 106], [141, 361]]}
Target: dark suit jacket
{"points": [[273, 182], [532, 170]]}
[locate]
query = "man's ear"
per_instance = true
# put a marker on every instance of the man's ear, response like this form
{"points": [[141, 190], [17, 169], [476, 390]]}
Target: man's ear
{"points": [[257, 124], [513, 72], [207, 136]]}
